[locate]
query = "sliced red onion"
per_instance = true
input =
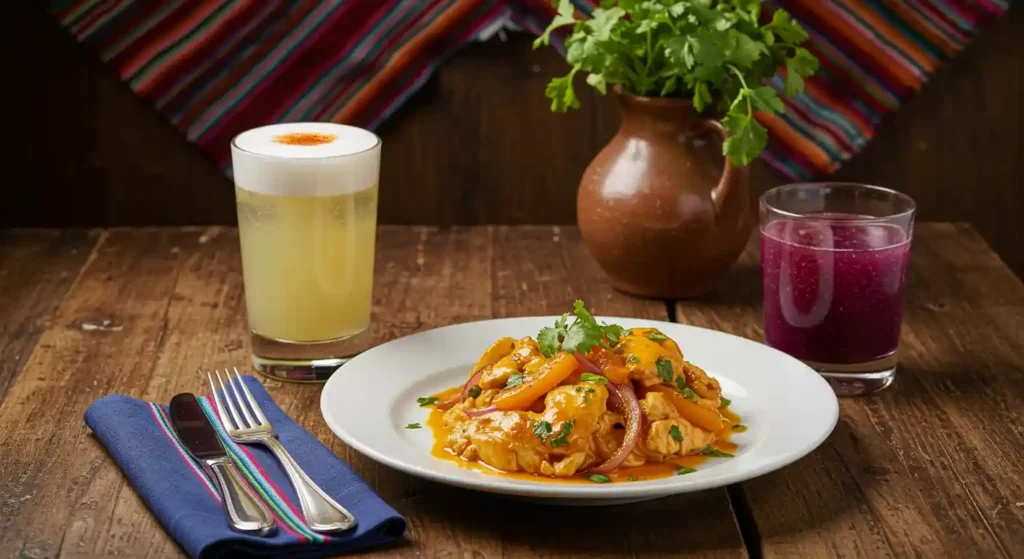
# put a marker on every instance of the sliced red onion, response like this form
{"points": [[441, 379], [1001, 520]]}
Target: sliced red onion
{"points": [[473, 381], [481, 411], [587, 364], [630, 409]]}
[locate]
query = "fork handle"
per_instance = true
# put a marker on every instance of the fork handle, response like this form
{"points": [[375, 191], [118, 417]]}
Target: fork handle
{"points": [[245, 510], [322, 513]]}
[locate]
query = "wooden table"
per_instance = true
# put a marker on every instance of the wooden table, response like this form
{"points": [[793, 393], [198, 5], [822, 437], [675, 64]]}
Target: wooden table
{"points": [[932, 467]]}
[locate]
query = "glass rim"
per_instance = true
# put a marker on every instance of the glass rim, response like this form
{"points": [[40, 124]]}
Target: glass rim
{"points": [[911, 204], [377, 143]]}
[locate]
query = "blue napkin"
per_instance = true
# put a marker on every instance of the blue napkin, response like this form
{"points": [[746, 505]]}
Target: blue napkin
{"points": [[140, 438]]}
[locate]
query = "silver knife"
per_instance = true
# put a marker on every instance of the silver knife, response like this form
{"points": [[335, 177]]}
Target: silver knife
{"points": [[246, 512]]}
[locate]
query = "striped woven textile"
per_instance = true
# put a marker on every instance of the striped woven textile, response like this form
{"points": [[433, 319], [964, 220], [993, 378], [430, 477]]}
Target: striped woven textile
{"points": [[217, 67]]}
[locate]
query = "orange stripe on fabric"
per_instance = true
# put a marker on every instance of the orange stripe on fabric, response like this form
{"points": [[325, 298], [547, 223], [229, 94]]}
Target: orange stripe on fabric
{"points": [[893, 35], [923, 26], [158, 44], [852, 36], [795, 141], [825, 97], [403, 57]]}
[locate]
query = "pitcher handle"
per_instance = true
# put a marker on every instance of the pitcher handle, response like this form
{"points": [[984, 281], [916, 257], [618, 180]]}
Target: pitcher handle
{"points": [[729, 174]]}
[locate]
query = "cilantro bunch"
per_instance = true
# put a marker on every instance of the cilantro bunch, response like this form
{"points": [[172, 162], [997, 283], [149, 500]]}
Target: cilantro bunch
{"points": [[714, 52], [584, 333]]}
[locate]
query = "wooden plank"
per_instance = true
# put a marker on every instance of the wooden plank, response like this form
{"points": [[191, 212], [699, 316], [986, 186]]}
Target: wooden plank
{"points": [[931, 466], [36, 269]]}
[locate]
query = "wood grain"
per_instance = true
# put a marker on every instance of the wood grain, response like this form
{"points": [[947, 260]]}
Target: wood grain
{"points": [[930, 467], [36, 270]]}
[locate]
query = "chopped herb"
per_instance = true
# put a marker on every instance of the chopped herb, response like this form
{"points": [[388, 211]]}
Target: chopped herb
{"points": [[726, 402], [414, 426], [588, 377], [547, 339], [656, 336], [475, 391], [613, 332], [681, 383], [424, 402], [562, 438], [632, 358], [675, 433], [690, 394], [578, 389], [739, 427], [632, 478], [599, 478], [542, 430], [683, 470], [627, 332], [590, 390], [584, 333], [714, 452], [514, 380], [664, 369]]}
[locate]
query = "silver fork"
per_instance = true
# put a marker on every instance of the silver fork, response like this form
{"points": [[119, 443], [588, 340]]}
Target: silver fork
{"points": [[322, 513]]}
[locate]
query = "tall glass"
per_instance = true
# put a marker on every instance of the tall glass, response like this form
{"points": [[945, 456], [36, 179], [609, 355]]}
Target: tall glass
{"points": [[307, 216], [833, 264]]}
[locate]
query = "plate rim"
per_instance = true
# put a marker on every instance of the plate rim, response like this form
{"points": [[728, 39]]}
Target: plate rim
{"points": [[581, 492]]}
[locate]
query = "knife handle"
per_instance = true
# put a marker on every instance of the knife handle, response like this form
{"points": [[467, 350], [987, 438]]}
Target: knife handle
{"points": [[246, 511]]}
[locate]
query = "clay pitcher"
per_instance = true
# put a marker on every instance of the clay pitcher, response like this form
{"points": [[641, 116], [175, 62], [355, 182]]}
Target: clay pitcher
{"points": [[655, 207]]}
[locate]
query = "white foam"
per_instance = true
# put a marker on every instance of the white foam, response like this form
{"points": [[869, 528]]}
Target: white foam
{"points": [[349, 161]]}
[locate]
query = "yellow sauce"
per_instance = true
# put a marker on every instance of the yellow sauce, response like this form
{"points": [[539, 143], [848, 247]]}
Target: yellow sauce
{"points": [[650, 470]]}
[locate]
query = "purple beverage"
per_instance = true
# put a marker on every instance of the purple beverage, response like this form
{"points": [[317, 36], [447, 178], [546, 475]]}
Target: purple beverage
{"points": [[833, 288]]}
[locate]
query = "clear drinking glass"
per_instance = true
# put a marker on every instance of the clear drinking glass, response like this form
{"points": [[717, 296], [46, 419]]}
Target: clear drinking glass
{"points": [[833, 265], [307, 216]]}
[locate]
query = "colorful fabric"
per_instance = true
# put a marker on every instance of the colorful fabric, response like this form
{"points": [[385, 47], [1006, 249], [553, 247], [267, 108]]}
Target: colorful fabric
{"points": [[217, 67]]}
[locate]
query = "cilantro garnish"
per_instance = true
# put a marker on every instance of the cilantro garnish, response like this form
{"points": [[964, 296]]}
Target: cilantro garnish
{"points": [[690, 395], [676, 434], [738, 427], [475, 391], [664, 369], [514, 380], [599, 478], [583, 334], [656, 336], [562, 438], [726, 402], [714, 452], [683, 470], [632, 358], [426, 401], [414, 426], [680, 383], [542, 430], [588, 377]]}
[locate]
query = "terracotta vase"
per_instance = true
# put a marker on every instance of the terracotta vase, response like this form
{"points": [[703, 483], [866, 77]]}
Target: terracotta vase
{"points": [[656, 208]]}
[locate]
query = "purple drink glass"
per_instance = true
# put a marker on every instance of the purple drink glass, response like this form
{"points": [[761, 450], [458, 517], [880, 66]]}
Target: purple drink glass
{"points": [[833, 265]]}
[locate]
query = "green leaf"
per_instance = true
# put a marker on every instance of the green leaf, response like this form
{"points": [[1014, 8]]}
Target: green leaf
{"points": [[676, 434], [745, 50], [542, 430], [547, 339], [475, 391], [562, 322], [714, 452], [599, 478], [690, 394], [613, 332], [514, 380], [670, 86], [681, 383], [565, 16], [426, 401], [747, 138], [603, 21], [584, 333], [588, 377], [726, 402], [562, 94], [632, 358], [562, 438], [664, 367], [414, 426], [739, 427], [656, 336], [765, 99], [701, 96], [802, 64], [683, 470], [786, 29], [597, 82]]}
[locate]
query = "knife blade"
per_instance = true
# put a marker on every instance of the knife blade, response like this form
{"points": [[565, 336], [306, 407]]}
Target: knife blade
{"points": [[245, 511]]}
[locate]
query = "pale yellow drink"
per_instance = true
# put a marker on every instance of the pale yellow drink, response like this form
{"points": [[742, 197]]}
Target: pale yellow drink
{"points": [[307, 263], [307, 215]]}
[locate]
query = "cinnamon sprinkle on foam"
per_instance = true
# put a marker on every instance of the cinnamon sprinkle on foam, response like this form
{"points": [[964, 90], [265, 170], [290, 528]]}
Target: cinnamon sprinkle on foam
{"points": [[305, 138]]}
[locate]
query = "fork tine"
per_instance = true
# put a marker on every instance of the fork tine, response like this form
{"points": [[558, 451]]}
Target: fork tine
{"points": [[225, 421], [252, 401], [250, 422], [231, 405]]}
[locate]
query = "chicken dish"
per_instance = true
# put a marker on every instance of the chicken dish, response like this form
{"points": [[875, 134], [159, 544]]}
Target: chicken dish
{"points": [[584, 399]]}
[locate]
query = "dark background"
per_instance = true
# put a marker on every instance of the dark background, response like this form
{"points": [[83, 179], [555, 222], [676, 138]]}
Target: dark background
{"points": [[476, 145]]}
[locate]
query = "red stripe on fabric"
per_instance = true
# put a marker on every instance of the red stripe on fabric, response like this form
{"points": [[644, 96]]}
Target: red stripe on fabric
{"points": [[192, 465], [151, 35], [274, 486]]}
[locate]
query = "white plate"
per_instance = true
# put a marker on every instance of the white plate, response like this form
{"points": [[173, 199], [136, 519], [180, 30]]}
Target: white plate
{"points": [[787, 407]]}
